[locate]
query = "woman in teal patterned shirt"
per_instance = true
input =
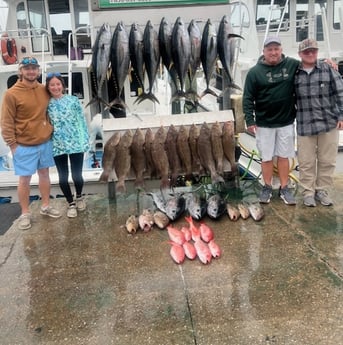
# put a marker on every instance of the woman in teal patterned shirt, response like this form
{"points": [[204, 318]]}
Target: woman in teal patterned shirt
{"points": [[70, 140]]}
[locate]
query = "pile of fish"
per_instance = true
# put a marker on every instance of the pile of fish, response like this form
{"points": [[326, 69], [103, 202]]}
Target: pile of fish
{"points": [[193, 241], [181, 49], [146, 221], [194, 206], [198, 206], [168, 153]]}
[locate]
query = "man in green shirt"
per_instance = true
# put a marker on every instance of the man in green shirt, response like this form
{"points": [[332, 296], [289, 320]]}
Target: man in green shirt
{"points": [[269, 108]]}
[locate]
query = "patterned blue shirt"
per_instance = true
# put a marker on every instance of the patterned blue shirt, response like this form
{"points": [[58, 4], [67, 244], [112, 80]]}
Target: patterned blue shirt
{"points": [[70, 128], [319, 96]]}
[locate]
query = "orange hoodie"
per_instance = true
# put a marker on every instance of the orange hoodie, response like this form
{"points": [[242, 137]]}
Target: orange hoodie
{"points": [[23, 115]]}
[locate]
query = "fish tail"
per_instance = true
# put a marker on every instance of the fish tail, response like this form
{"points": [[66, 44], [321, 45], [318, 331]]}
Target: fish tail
{"points": [[217, 178], [117, 103], [139, 183], [144, 96], [208, 91]]}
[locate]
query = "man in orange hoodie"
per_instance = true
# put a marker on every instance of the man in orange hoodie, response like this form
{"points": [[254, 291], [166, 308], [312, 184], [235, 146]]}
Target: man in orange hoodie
{"points": [[27, 131]]}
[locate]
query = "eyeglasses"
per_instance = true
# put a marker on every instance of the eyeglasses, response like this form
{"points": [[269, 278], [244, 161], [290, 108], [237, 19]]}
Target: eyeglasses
{"points": [[53, 74], [29, 61], [310, 51]]}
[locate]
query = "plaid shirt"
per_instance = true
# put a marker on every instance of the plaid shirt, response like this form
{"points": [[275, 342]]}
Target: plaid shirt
{"points": [[319, 97]]}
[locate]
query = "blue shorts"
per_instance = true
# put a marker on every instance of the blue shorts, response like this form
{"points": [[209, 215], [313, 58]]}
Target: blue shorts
{"points": [[272, 142], [28, 159]]}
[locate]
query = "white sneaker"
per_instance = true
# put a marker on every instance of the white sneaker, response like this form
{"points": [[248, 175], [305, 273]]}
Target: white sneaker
{"points": [[80, 204], [24, 221], [72, 211]]}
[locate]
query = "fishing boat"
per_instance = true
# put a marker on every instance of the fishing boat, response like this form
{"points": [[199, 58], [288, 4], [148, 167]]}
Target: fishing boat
{"points": [[62, 35]]}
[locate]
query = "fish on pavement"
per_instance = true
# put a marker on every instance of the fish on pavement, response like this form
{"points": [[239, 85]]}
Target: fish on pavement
{"points": [[256, 211], [206, 232], [120, 63], [108, 156], [215, 206], [203, 251], [159, 201], [208, 54], [176, 235], [217, 147], [138, 157], [177, 252], [243, 210], [160, 158], [187, 232], [196, 206], [122, 160], [175, 206], [189, 250], [132, 224], [161, 219], [151, 56], [194, 230], [214, 249], [206, 155], [146, 220], [181, 53], [232, 212], [226, 47], [229, 145]]}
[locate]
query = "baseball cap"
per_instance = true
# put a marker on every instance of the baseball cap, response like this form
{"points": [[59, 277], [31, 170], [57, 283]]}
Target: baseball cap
{"points": [[272, 39], [28, 61], [308, 44]]}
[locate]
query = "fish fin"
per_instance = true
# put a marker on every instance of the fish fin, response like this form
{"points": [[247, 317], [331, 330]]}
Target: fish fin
{"points": [[144, 96], [208, 91]]}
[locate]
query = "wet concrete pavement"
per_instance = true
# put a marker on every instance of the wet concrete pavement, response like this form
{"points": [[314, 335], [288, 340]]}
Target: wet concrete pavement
{"points": [[87, 281]]}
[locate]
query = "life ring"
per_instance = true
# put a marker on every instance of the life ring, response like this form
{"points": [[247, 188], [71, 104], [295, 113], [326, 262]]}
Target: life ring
{"points": [[8, 50]]}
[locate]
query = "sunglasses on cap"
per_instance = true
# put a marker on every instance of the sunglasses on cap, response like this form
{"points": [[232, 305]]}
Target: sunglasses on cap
{"points": [[53, 74], [29, 61]]}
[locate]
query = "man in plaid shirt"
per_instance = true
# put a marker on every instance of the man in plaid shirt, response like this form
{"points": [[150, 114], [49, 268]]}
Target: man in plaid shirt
{"points": [[319, 100]]}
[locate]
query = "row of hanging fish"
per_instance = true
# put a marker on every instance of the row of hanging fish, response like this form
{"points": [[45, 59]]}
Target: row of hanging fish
{"points": [[181, 49], [168, 153]]}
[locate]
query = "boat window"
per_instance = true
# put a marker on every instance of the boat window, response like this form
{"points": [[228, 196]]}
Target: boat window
{"points": [[38, 25], [337, 14], [21, 20], [320, 8], [278, 14], [239, 15], [302, 20]]}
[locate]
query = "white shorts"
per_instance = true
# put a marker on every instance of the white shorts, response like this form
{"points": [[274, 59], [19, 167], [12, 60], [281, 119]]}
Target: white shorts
{"points": [[272, 142]]}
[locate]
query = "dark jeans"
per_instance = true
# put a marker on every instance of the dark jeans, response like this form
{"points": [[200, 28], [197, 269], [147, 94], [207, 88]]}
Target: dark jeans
{"points": [[76, 162]]}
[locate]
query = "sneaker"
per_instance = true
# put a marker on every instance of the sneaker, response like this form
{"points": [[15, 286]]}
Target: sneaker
{"points": [[80, 204], [286, 195], [309, 201], [72, 211], [323, 197], [50, 211], [24, 221], [265, 194]]}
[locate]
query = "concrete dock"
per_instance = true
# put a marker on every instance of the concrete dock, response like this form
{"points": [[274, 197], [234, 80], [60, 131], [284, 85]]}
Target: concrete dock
{"points": [[87, 281]]}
